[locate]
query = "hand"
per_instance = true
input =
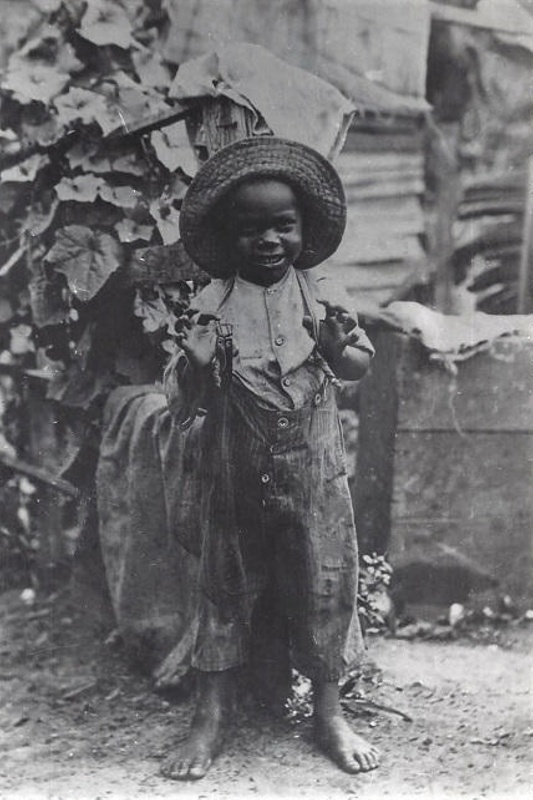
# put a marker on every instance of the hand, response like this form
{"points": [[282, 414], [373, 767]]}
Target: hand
{"points": [[197, 337], [337, 331]]}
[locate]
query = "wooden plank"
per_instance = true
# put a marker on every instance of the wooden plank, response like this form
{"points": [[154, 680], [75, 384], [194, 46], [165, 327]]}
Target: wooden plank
{"points": [[525, 280], [465, 502], [375, 277], [383, 135], [444, 169], [378, 403], [403, 217], [372, 190], [355, 249], [453, 508]]}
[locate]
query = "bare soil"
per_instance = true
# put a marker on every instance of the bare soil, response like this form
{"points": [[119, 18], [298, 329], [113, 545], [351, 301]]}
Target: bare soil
{"points": [[76, 721]]}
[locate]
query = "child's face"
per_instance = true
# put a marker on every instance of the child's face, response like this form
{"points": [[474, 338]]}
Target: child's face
{"points": [[264, 225]]}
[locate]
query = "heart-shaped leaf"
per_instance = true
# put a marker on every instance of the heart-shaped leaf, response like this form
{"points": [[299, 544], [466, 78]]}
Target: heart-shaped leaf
{"points": [[26, 171], [121, 196], [130, 231], [35, 82], [173, 148], [82, 105], [150, 68], [82, 189], [152, 310], [21, 341], [167, 218], [87, 258], [106, 23]]}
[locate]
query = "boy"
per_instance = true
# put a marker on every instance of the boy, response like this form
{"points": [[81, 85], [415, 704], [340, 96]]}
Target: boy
{"points": [[276, 514]]}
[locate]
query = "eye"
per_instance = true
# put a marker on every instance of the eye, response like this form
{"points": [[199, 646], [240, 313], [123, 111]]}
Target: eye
{"points": [[246, 230], [286, 225]]}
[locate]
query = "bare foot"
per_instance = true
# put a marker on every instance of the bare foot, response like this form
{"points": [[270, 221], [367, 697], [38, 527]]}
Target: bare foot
{"points": [[351, 752], [208, 728]]}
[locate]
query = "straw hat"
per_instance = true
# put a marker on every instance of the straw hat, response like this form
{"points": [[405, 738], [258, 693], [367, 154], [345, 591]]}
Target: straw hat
{"points": [[315, 181]]}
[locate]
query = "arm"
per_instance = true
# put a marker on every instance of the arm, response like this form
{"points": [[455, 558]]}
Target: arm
{"points": [[188, 378], [343, 343]]}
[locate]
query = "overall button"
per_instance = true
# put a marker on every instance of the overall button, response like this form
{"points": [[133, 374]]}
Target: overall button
{"points": [[286, 381], [283, 422], [279, 340], [265, 478], [318, 399]]}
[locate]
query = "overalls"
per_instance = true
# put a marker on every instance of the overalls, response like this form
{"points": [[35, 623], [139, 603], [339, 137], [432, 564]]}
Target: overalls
{"points": [[277, 517]]}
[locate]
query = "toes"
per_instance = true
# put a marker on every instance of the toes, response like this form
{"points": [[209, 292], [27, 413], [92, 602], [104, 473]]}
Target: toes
{"points": [[178, 771], [368, 760], [187, 767], [198, 769], [184, 772], [347, 762], [171, 771]]}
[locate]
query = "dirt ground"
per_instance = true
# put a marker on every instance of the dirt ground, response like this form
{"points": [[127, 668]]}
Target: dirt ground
{"points": [[77, 722]]}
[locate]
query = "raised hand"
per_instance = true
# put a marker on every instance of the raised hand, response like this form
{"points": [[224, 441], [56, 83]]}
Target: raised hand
{"points": [[338, 335], [198, 337], [337, 331]]}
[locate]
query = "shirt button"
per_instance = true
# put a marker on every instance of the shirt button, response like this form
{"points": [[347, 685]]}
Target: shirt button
{"points": [[265, 478], [283, 422], [279, 340], [286, 381]]}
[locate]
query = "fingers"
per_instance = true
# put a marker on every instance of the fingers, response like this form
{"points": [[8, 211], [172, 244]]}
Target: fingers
{"points": [[201, 318], [205, 319], [339, 314], [352, 336], [332, 310], [188, 319]]}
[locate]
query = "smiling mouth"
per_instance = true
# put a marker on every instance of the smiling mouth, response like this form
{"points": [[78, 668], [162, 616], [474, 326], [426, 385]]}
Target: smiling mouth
{"points": [[269, 261]]}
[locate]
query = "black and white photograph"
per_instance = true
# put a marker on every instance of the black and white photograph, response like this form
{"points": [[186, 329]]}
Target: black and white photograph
{"points": [[266, 399]]}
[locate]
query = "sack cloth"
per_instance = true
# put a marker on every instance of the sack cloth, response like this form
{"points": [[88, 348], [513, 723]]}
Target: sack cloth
{"points": [[452, 337], [152, 575]]}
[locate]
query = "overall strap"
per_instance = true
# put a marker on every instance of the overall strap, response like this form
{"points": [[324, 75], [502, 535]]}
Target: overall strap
{"points": [[305, 289], [308, 301]]}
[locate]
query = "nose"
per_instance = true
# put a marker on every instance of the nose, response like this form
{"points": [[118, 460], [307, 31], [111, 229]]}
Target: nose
{"points": [[269, 238]]}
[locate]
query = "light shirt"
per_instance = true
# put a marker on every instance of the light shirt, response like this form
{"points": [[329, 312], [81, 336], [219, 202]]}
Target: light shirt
{"points": [[275, 351]]}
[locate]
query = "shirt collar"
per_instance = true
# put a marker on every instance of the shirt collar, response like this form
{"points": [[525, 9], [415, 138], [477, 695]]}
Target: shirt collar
{"points": [[275, 287]]}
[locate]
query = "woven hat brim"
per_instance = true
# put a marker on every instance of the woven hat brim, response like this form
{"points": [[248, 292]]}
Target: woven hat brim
{"points": [[313, 178]]}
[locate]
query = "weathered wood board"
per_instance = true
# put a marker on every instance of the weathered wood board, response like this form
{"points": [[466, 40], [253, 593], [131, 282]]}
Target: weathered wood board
{"points": [[445, 467]]}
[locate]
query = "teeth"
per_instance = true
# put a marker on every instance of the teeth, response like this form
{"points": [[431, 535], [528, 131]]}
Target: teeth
{"points": [[272, 260]]}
